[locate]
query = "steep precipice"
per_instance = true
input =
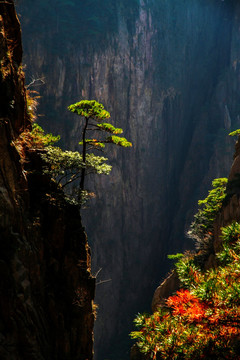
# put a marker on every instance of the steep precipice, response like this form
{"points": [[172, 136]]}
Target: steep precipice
{"points": [[170, 76], [46, 287]]}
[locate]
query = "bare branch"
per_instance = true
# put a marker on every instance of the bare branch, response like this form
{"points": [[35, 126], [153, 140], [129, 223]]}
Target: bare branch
{"points": [[95, 148], [97, 273], [103, 281], [73, 178], [36, 82], [97, 129]]}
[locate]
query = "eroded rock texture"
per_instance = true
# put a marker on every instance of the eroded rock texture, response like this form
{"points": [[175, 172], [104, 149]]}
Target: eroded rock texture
{"points": [[46, 287], [169, 75]]}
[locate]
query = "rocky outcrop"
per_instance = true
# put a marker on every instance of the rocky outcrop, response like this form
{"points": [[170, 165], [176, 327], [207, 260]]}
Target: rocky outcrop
{"points": [[170, 78], [46, 286], [166, 289]]}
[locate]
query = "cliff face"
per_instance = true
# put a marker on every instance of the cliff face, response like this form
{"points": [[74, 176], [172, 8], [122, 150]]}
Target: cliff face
{"points": [[46, 285], [170, 78]]}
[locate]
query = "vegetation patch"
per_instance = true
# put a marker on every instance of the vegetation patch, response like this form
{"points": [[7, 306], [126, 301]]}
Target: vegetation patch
{"points": [[72, 167], [202, 320], [201, 229]]}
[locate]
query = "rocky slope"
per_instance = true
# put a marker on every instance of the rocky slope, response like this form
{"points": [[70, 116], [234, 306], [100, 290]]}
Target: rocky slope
{"points": [[169, 75], [46, 287]]}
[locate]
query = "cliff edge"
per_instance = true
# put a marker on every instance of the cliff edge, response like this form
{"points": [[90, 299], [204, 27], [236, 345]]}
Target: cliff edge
{"points": [[46, 286]]}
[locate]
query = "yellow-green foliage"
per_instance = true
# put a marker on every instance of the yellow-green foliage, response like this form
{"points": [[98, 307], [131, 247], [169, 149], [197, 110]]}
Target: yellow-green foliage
{"points": [[42, 139], [120, 141], [32, 104], [89, 109], [110, 128], [93, 111], [65, 166], [235, 132], [33, 139], [201, 229]]}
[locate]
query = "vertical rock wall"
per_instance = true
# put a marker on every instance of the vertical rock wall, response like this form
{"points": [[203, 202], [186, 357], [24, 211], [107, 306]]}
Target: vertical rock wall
{"points": [[169, 77], [46, 287]]}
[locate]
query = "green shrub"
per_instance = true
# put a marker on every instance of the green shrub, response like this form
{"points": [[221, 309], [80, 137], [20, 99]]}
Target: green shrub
{"points": [[201, 229]]}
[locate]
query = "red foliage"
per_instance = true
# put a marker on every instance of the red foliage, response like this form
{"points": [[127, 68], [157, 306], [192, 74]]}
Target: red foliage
{"points": [[187, 305]]}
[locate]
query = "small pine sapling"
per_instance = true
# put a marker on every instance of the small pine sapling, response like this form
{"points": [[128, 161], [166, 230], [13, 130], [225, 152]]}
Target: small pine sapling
{"points": [[93, 116]]}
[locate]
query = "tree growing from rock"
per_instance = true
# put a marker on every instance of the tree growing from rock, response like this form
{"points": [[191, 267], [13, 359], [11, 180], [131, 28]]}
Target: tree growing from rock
{"points": [[93, 116], [67, 167]]}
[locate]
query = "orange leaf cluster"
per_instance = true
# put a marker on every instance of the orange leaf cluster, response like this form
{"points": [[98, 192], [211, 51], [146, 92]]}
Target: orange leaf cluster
{"points": [[187, 305]]}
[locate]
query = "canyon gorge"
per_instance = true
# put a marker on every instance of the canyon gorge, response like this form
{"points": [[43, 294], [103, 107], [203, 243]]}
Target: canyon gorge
{"points": [[168, 72]]}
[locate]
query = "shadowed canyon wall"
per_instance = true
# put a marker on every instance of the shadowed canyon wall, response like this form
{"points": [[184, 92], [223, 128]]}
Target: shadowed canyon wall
{"points": [[46, 287], [168, 71]]}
